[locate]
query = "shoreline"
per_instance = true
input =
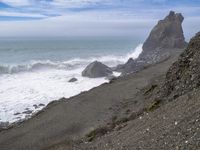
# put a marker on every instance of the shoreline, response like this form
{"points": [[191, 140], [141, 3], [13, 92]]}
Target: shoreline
{"points": [[7, 125], [22, 92], [96, 118], [89, 110]]}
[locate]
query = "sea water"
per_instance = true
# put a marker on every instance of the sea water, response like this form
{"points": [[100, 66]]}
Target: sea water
{"points": [[36, 71]]}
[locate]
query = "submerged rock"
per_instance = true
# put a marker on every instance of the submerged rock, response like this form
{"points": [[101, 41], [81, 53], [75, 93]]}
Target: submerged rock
{"points": [[27, 112], [73, 80], [17, 113], [96, 69], [40, 105], [35, 106]]}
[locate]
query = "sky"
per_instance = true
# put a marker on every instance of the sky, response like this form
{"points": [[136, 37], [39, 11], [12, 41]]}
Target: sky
{"points": [[52, 18]]}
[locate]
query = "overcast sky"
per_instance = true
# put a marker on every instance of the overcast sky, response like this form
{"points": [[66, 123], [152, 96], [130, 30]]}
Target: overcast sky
{"points": [[92, 17]]}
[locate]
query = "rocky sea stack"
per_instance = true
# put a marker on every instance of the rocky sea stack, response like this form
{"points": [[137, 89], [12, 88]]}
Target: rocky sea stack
{"points": [[184, 75], [96, 70], [167, 34], [164, 38]]}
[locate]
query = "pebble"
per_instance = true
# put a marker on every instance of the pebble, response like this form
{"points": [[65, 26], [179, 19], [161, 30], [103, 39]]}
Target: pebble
{"points": [[176, 123]]}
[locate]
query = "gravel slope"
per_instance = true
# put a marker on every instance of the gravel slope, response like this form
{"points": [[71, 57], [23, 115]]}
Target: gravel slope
{"points": [[72, 119]]}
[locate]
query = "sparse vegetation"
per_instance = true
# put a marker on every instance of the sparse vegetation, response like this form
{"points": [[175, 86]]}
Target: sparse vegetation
{"points": [[96, 133], [151, 89], [154, 105]]}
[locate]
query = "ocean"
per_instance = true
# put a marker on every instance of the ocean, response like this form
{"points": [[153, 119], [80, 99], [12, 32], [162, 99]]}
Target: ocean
{"points": [[36, 71]]}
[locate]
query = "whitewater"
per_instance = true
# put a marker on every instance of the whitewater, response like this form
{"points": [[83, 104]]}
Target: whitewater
{"points": [[26, 88]]}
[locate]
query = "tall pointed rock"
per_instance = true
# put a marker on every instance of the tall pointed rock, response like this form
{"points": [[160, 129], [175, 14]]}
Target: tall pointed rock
{"points": [[167, 34], [164, 39]]}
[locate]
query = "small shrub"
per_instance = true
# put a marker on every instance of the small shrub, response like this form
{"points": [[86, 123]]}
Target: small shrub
{"points": [[154, 105], [96, 133], [150, 89]]}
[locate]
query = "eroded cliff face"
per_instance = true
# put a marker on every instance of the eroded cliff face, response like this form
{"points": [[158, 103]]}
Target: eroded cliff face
{"points": [[184, 75]]}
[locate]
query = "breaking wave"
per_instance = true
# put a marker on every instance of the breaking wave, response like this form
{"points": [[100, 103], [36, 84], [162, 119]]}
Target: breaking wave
{"points": [[110, 60]]}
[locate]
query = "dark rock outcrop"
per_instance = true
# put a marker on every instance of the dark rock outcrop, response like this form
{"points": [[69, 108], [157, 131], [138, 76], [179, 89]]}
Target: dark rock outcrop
{"points": [[132, 65], [73, 80], [40, 105], [27, 112], [166, 36], [111, 77], [96, 69], [184, 75], [3, 125]]}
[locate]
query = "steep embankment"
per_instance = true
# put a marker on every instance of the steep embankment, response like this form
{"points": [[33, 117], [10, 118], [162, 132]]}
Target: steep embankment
{"points": [[184, 75], [173, 124]]}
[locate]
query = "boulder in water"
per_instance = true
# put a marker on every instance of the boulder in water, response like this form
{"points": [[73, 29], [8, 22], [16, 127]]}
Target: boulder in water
{"points": [[96, 69], [27, 112], [41, 105], [73, 80]]}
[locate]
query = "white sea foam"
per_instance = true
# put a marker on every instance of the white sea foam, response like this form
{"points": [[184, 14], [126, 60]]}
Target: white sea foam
{"points": [[22, 86], [110, 60]]}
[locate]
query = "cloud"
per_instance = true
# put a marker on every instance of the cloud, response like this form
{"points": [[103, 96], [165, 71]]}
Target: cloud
{"points": [[73, 25], [90, 17], [54, 3], [77, 3], [16, 2], [159, 1], [17, 14], [61, 7]]}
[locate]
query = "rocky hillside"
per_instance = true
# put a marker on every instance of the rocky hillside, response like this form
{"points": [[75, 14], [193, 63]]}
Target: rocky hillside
{"points": [[173, 124], [184, 75]]}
